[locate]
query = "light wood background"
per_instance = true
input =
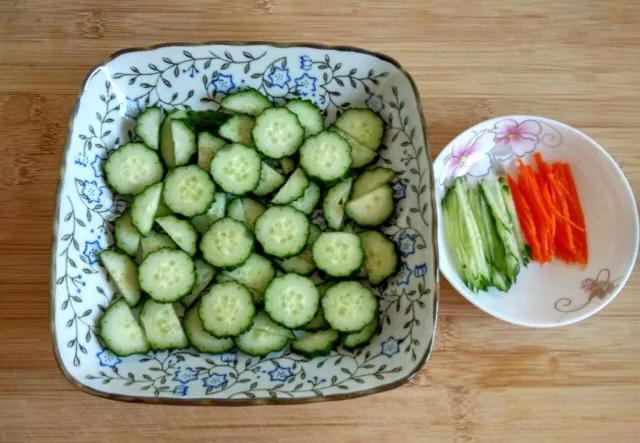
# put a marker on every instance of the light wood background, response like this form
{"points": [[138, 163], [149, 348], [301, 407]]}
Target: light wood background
{"points": [[576, 61]]}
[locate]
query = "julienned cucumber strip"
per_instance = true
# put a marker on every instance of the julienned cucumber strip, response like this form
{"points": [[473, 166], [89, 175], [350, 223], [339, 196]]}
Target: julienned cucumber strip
{"points": [[513, 216]]}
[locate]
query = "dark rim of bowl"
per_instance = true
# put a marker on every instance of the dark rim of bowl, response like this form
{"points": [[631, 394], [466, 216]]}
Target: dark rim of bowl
{"points": [[256, 401]]}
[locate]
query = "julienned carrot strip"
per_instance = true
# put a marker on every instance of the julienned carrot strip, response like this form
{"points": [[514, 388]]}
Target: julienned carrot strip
{"points": [[549, 211]]}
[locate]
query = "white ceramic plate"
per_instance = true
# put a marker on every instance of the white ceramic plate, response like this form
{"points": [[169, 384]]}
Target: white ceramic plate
{"points": [[555, 294], [197, 76]]}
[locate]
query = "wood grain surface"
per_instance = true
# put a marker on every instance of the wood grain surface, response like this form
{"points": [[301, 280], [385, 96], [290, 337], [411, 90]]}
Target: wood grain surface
{"points": [[575, 61]]}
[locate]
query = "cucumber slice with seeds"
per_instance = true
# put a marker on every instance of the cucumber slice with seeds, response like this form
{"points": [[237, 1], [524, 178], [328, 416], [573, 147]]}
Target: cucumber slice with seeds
{"points": [[315, 344], [265, 336], [215, 212], [308, 114], [255, 273], [325, 156], [124, 273], [381, 259], [208, 145], [180, 231], [282, 231], [162, 326], [204, 275], [334, 203], [349, 306], [226, 310], [184, 142], [127, 237], [132, 168], [120, 331], [236, 168], [373, 208], [238, 129], [226, 243], [201, 339], [293, 189], [360, 154], [277, 133], [362, 124], [270, 180], [247, 101], [152, 243], [291, 300], [188, 190], [339, 254], [167, 275], [307, 203], [144, 208], [361, 337], [148, 126], [372, 179]]}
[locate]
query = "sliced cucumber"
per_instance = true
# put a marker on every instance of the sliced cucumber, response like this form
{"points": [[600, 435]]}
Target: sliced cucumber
{"points": [[339, 254], [127, 237], [148, 126], [373, 208], [167, 146], [152, 243], [238, 129], [270, 180], [167, 275], [334, 203], [293, 189], [226, 243], [162, 326], [308, 114], [247, 101], [317, 322], [307, 203], [315, 344], [208, 145], [255, 273], [132, 168], [215, 212], [124, 273], [246, 210], [302, 263], [277, 133], [371, 179], [291, 300], [181, 231], [204, 275], [349, 306], [163, 209], [184, 142], [179, 308], [361, 337], [120, 331], [380, 257], [360, 154], [362, 124], [201, 339], [144, 208], [287, 164], [188, 190], [263, 337], [226, 310], [282, 231], [236, 168], [325, 156]]}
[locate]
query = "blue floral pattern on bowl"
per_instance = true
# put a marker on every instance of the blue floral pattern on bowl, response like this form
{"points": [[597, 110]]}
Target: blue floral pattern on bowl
{"points": [[197, 77]]}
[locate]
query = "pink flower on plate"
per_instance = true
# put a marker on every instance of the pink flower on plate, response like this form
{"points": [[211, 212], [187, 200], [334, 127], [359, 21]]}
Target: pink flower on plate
{"points": [[516, 138], [470, 158]]}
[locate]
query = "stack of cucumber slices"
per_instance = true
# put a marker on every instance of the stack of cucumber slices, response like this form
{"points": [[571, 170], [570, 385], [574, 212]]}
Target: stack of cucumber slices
{"points": [[217, 246]]}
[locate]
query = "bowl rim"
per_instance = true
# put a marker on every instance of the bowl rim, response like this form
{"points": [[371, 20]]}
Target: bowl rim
{"points": [[465, 292], [256, 401]]}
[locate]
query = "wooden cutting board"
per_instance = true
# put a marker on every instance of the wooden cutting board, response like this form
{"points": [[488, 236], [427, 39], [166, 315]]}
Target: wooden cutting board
{"points": [[578, 62]]}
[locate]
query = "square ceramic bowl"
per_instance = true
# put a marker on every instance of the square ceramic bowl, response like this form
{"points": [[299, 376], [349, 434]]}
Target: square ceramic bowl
{"points": [[197, 76]]}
